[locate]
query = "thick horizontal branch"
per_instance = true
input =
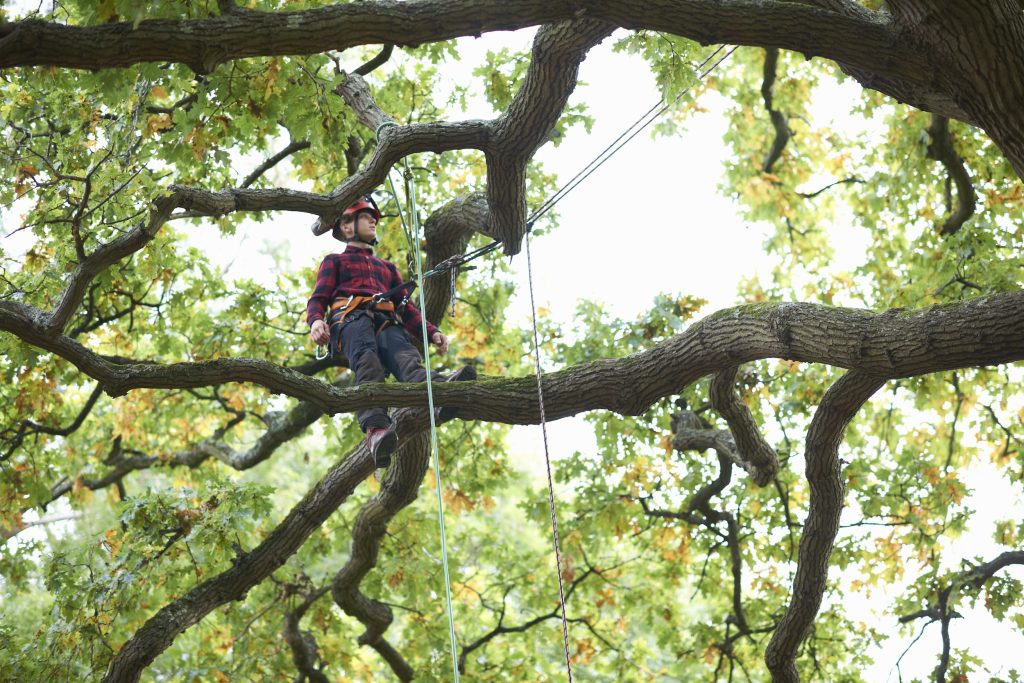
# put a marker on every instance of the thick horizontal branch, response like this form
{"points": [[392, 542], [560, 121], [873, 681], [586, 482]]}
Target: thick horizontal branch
{"points": [[898, 343], [929, 59], [205, 43]]}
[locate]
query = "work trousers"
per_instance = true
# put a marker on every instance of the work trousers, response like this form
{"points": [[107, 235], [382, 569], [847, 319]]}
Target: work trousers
{"points": [[371, 356]]}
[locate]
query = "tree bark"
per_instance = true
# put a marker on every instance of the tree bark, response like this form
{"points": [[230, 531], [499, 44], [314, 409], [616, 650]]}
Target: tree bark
{"points": [[898, 343]]}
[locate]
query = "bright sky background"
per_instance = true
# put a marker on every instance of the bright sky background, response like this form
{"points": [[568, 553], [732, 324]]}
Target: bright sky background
{"points": [[690, 241]]}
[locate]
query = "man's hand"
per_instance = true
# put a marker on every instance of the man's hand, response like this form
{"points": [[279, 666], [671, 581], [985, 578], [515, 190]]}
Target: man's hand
{"points": [[441, 341], [319, 333]]}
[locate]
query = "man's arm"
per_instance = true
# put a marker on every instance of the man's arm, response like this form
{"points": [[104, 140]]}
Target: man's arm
{"points": [[316, 307]]}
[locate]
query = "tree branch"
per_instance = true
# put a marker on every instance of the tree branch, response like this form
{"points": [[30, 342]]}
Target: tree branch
{"points": [[28, 427], [755, 454], [501, 629], [941, 149], [253, 567], [782, 134], [400, 486], [292, 147], [305, 653], [984, 331], [824, 474]]}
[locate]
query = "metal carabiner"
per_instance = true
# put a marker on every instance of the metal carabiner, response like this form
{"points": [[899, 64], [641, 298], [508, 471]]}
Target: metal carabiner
{"points": [[326, 352]]}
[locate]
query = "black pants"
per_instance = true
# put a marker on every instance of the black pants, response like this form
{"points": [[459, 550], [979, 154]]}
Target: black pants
{"points": [[371, 356]]}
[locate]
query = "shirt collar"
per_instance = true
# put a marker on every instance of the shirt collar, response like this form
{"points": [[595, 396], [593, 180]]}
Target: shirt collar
{"points": [[361, 250]]}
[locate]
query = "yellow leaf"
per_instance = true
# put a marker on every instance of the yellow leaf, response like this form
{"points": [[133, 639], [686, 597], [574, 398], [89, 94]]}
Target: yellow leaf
{"points": [[158, 122], [111, 542]]}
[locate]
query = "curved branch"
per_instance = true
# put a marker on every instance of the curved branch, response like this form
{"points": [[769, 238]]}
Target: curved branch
{"points": [[501, 629], [755, 454], [782, 134], [28, 427], [510, 141], [399, 489], [281, 428], [379, 60], [292, 147], [873, 47], [973, 579], [941, 149], [824, 475], [101, 259], [690, 434], [305, 653]]}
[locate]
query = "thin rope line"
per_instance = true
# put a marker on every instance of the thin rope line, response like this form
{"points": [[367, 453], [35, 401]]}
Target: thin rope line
{"points": [[547, 462], [410, 193], [433, 426], [658, 109], [401, 216]]}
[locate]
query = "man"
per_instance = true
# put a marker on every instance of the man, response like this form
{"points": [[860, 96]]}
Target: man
{"points": [[373, 336]]}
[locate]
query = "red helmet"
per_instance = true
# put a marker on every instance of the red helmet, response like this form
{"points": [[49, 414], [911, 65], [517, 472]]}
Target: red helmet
{"points": [[362, 204]]}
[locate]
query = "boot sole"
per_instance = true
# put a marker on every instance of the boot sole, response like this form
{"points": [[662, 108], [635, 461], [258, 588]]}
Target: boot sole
{"points": [[386, 446], [464, 374]]}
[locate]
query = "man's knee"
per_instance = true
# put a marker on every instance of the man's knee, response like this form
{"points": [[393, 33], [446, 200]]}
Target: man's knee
{"points": [[368, 367], [409, 366]]}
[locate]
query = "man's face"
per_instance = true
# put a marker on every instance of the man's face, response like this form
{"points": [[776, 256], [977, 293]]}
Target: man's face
{"points": [[363, 228]]}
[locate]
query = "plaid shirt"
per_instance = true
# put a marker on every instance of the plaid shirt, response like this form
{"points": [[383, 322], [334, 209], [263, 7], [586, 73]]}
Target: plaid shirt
{"points": [[357, 271]]}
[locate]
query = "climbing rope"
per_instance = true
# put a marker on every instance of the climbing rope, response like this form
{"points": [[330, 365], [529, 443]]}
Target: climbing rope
{"points": [[414, 221], [547, 462], [618, 143]]}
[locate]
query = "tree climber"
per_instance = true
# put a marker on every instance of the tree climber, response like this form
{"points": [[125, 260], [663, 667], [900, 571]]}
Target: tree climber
{"points": [[367, 327]]}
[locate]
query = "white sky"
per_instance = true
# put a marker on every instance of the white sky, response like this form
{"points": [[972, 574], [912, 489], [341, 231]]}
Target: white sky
{"points": [[691, 242]]}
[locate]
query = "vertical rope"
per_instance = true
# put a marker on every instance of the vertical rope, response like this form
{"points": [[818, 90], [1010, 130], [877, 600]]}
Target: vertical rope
{"points": [[411, 194], [547, 460]]}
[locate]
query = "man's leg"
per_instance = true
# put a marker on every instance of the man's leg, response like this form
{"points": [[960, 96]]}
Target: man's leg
{"points": [[400, 356], [403, 360], [359, 345]]}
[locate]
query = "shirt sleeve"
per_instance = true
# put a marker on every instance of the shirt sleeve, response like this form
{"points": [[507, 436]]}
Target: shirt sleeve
{"points": [[321, 297], [412, 320]]}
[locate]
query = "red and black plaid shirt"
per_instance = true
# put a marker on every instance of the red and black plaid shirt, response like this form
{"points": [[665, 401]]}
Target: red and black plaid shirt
{"points": [[358, 272]]}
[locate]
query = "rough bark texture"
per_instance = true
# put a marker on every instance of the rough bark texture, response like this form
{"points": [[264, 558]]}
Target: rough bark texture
{"points": [[984, 331], [824, 474], [399, 488], [251, 568], [754, 454], [959, 59]]}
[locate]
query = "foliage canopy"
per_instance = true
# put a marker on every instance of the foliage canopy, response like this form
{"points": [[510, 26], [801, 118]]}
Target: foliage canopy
{"points": [[175, 499]]}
